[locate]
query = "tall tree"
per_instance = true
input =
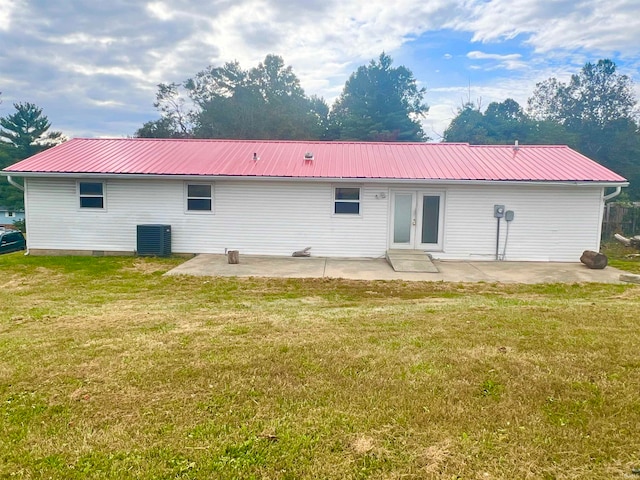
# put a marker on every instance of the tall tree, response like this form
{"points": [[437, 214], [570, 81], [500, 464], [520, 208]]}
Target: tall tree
{"points": [[467, 126], [501, 123], [27, 130], [289, 113], [264, 102], [597, 107], [380, 103], [22, 134]]}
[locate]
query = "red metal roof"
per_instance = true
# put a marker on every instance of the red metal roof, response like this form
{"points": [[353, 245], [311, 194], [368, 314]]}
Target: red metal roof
{"points": [[332, 160]]}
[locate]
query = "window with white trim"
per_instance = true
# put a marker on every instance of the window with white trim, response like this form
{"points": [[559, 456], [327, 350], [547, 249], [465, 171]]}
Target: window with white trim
{"points": [[199, 197], [91, 194], [346, 200], [10, 214]]}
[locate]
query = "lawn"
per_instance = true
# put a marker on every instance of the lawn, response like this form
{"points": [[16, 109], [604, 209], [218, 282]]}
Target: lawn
{"points": [[110, 370]]}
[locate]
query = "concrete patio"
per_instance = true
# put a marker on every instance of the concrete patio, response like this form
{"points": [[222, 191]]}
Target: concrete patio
{"points": [[379, 269]]}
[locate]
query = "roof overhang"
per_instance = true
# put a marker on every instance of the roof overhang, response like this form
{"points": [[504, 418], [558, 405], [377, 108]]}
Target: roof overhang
{"points": [[409, 181]]}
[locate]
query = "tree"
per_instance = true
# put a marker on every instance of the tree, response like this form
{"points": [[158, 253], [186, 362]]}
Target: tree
{"points": [[164, 127], [380, 103], [547, 101], [27, 130], [598, 96], [289, 113], [22, 134], [504, 123], [507, 122], [264, 102], [597, 109], [468, 126], [501, 123], [594, 98], [10, 196]]}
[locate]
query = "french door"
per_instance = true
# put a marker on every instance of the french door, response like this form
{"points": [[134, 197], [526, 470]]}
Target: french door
{"points": [[416, 219]]}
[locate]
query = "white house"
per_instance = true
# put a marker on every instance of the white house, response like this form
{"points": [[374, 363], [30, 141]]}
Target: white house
{"points": [[10, 215], [344, 199]]}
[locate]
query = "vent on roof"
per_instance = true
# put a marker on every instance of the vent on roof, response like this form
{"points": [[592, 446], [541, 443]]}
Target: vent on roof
{"points": [[255, 157], [308, 156]]}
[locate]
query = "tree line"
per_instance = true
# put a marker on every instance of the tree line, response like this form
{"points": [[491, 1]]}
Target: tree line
{"points": [[595, 113], [379, 102]]}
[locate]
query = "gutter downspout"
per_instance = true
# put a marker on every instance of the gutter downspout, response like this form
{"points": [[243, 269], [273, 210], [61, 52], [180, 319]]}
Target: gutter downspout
{"points": [[14, 183], [606, 197], [21, 188]]}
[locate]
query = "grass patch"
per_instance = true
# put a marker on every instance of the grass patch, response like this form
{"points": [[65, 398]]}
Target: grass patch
{"points": [[108, 369], [624, 258]]}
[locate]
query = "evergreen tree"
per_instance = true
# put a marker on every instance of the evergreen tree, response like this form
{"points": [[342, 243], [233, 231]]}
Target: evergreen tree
{"points": [[22, 134], [380, 103], [27, 130]]}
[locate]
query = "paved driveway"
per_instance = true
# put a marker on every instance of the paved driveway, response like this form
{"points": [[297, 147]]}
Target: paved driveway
{"points": [[379, 269]]}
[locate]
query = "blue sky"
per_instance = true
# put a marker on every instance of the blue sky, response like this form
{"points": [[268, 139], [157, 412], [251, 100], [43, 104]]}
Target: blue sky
{"points": [[94, 66]]}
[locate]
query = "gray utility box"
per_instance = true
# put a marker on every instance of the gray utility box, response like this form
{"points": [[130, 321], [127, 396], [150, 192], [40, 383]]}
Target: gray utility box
{"points": [[154, 240]]}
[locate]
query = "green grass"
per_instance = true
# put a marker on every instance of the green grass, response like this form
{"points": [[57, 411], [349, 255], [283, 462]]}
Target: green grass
{"points": [[110, 370], [624, 258]]}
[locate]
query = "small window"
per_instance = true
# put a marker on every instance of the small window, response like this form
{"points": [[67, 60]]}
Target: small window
{"points": [[347, 200], [10, 214], [199, 198], [91, 194]]}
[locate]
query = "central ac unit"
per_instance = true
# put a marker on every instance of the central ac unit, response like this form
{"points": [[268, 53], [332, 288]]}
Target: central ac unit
{"points": [[154, 240]]}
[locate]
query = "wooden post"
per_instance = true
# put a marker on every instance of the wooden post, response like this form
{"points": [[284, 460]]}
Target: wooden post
{"points": [[594, 260], [233, 256]]}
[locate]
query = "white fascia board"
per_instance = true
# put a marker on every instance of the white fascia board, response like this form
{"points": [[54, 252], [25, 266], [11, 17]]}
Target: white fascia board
{"points": [[408, 181]]}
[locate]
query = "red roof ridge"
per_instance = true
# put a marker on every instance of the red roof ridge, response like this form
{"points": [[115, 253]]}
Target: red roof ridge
{"points": [[257, 140], [319, 142], [520, 145]]}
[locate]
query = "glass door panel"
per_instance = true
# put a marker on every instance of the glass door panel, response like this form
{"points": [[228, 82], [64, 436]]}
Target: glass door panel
{"points": [[402, 217], [430, 219]]}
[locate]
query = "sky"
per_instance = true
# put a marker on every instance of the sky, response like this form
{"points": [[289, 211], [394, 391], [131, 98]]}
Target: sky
{"points": [[93, 66]]}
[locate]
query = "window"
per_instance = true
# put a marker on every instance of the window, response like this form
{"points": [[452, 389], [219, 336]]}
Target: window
{"points": [[10, 214], [91, 194], [199, 198], [347, 200]]}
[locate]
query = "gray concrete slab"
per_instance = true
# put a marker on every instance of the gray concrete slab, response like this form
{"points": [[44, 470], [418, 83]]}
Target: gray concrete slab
{"points": [[379, 269], [252, 266]]}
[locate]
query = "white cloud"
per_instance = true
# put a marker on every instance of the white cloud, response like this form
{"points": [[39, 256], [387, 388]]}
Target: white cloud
{"points": [[568, 25], [477, 55], [7, 9], [511, 61], [82, 39], [160, 10]]}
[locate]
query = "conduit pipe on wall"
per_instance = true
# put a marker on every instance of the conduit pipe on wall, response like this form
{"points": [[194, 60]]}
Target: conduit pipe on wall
{"points": [[498, 240]]}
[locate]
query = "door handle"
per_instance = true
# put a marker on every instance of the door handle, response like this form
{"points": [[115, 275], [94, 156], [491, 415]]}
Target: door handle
{"points": [[413, 222]]}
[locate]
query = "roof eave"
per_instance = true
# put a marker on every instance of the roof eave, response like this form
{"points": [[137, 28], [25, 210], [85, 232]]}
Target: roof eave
{"points": [[599, 183]]}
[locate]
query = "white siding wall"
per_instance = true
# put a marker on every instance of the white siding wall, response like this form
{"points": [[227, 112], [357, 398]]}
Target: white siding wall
{"points": [[255, 217], [259, 217], [555, 223]]}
